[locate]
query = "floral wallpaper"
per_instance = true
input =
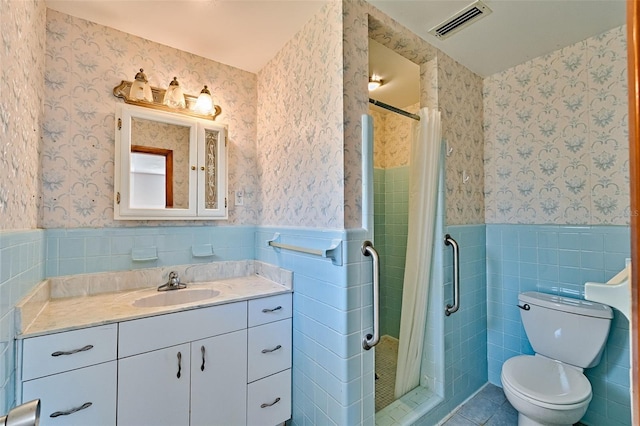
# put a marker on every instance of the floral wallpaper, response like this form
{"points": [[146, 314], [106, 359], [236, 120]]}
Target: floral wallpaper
{"points": [[84, 62], [392, 137], [556, 131], [460, 101], [21, 111], [300, 128], [167, 136]]}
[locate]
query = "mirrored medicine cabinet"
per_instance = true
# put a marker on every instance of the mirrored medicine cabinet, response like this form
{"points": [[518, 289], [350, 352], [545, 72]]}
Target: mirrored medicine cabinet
{"points": [[168, 166]]}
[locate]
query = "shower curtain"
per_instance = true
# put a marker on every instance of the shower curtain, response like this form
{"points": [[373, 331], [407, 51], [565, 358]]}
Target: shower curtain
{"points": [[423, 196]]}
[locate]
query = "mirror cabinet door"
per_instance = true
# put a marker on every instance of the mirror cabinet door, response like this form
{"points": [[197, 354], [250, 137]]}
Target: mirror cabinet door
{"points": [[168, 166]]}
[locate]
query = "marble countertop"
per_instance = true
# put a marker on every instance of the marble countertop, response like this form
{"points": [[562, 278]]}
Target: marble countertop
{"points": [[63, 314]]}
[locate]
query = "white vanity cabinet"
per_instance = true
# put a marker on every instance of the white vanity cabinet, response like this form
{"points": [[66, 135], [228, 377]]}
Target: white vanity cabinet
{"points": [[223, 365], [174, 386], [202, 373], [73, 374]]}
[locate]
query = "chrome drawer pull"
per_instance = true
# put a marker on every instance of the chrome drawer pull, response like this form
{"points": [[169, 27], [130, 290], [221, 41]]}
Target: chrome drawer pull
{"points": [[75, 351], [73, 410], [269, 405], [266, 351], [266, 311], [202, 350]]}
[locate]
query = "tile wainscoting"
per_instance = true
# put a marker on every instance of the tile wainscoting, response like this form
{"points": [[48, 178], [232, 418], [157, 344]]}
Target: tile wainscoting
{"points": [[558, 259]]}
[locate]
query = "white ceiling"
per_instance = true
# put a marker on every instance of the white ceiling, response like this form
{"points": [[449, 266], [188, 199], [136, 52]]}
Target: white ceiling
{"points": [[248, 33], [400, 77], [245, 34], [516, 31]]}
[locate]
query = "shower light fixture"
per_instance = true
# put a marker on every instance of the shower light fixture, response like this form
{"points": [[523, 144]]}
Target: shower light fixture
{"points": [[374, 82]]}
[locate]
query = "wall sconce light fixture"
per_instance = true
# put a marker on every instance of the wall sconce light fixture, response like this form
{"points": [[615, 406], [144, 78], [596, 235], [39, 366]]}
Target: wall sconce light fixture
{"points": [[174, 97], [374, 82], [140, 88]]}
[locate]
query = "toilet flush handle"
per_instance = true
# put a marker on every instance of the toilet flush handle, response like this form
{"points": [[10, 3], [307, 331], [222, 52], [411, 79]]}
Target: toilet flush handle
{"points": [[525, 307]]}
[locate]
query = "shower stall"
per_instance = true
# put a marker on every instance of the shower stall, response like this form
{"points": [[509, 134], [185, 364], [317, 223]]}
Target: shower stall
{"points": [[391, 218], [394, 135]]}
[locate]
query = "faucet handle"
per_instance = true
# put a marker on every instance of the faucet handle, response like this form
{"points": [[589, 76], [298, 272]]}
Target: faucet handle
{"points": [[173, 283]]}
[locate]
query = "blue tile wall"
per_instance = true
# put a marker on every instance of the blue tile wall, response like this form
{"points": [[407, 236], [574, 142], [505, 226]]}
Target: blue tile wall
{"points": [[21, 268], [465, 338], [79, 251], [330, 370], [391, 219], [333, 377], [558, 259]]}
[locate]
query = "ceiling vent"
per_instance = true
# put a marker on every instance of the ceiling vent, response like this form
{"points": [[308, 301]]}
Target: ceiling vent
{"points": [[460, 20]]}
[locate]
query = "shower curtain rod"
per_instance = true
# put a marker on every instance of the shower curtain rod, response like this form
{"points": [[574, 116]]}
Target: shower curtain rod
{"points": [[394, 109]]}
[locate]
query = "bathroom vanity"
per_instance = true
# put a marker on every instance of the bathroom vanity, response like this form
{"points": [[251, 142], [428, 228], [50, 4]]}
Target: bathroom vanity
{"points": [[225, 360]]}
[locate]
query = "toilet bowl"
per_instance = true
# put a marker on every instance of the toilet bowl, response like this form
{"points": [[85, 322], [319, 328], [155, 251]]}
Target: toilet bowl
{"points": [[567, 335], [544, 391]]}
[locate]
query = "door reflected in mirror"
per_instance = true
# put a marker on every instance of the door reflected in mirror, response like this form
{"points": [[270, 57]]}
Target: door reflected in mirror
{"points": [[159, 165]]}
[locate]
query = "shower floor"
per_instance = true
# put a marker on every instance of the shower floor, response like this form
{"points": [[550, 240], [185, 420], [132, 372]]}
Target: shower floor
{"points": [[386, 363]]}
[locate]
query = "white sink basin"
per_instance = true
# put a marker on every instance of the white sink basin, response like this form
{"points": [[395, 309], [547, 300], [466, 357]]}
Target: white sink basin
{"points": [[616, 292], [175, 297]]}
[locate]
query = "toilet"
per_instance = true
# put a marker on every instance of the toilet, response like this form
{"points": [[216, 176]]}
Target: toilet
{"points": [[567, 336]]}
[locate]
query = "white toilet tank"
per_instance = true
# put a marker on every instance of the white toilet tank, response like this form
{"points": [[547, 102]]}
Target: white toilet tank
{"points": [[569, 330]]}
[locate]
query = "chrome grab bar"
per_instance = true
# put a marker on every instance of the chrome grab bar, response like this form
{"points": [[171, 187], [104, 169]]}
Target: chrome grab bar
{"points": [[456, 275], [372, 339]]}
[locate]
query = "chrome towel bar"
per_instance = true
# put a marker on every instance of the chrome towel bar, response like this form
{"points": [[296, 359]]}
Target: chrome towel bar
{"points": [[456, 275]]}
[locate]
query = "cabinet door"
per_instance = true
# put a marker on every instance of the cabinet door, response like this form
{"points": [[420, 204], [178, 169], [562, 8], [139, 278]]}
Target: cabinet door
{"points": [[219, 380], [155, 153], [153, 388], [86, 396], [212, 173]]}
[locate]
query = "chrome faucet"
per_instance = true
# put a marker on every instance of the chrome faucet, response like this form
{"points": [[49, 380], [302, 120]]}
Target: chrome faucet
{"points": [[173, 283]]}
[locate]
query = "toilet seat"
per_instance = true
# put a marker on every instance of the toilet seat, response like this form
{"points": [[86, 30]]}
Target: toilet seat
{"points": [[546, 382]]}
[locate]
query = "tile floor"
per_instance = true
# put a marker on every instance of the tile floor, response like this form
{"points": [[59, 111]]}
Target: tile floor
{"points": [[489, 407], [386, 365]]}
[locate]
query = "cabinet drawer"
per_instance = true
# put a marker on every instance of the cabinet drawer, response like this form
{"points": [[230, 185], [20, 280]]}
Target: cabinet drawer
{"points": [[86, 396], [269, 400], [269, 309], [269, 349], [162, 331], [55, 353]]}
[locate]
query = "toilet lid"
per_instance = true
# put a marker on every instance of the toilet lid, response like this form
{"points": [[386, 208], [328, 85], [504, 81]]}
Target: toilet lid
{"points": [[546, 380]]}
